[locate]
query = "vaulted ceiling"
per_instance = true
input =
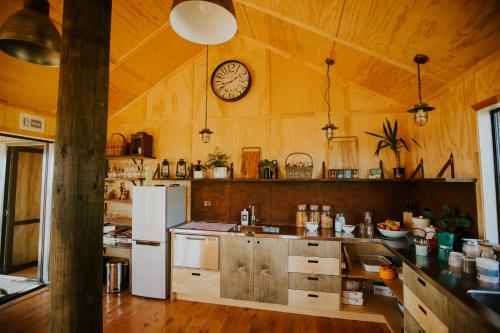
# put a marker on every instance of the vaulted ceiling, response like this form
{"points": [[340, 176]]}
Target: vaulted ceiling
{"points": [[375, 42]]}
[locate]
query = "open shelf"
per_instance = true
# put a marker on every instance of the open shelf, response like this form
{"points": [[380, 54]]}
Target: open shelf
{"points": [[124, 157], [118, 246], [360, 180], [377, 304], [119, 221], [124, 202], [124, 179]]}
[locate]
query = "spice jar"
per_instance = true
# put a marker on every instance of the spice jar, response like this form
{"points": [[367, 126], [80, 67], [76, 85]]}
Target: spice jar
{"points": [[314, 215], [326, 217], [301, 216]]}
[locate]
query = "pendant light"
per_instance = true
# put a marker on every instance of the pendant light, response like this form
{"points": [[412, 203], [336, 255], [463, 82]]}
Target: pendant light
{"points": [[204, 21], [30, 35], [206, 132], [328, 128], [421, 109]]}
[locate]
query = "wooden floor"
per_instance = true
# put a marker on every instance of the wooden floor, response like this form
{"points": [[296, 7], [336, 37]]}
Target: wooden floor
{"points": [[31, 273], [126, 313]]}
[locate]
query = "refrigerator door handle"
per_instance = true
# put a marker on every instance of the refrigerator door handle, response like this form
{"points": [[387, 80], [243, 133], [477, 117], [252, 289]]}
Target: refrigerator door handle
{"points": [[148, 243]]}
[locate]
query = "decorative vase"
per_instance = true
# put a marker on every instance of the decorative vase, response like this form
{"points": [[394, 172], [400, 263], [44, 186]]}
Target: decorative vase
{"points": [[198, 174], [220, 172]]}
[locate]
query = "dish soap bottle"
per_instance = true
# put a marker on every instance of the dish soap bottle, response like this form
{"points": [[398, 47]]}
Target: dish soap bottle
{"points": [[244, 217]]}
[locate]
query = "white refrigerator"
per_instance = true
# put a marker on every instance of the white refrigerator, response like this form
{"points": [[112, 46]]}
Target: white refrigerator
{"points": [[154, 210]]}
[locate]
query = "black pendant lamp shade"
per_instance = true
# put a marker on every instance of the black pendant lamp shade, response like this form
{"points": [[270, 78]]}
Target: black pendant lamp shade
{"points": [[29, 35], [420, 110], [329, 128]]}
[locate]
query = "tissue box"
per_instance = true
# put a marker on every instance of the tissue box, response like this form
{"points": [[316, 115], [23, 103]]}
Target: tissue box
{"points": [[352, 301], [352, 294], [382, 289]]}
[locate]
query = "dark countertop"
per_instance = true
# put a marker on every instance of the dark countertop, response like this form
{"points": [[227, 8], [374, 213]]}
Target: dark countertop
{"points": [[449, 280]]}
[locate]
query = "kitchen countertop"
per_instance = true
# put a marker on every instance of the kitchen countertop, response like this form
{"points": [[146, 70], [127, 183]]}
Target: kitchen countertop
{"points": [[449, 280]]}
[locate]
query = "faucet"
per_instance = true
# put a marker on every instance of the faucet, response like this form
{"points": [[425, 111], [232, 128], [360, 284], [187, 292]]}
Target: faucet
{"points": [[253, 218]]}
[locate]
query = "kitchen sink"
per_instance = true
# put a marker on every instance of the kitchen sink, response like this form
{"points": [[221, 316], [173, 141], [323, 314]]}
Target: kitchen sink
{"points": [[490, 299], [255, 229]]}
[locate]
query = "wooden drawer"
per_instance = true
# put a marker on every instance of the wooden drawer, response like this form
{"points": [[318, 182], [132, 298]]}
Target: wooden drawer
{"points": [[313, 265], [411, 325], [314, 282], [428, 294], [424, 316], [196, 282], [314, 300], [312, 248]]}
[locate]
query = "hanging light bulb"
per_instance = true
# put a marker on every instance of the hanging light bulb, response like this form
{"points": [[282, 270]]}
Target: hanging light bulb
{"points": [[420, 110], [204, 21], [206, 132], [328, 128]]}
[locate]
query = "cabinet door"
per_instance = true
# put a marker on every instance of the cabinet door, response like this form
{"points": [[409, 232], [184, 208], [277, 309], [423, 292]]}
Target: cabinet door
{"points": [[236, 267], [270, 270]]}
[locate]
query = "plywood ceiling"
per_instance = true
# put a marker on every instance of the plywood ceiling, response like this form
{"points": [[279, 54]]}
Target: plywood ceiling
{"points": [[374, 44]]}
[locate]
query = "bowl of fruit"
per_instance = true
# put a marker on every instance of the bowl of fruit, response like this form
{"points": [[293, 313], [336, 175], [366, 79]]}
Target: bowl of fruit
{"points": [[391, 229]]}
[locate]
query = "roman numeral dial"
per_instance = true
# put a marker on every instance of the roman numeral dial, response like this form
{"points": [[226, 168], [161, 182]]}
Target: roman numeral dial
{"points": [[231, 80]]}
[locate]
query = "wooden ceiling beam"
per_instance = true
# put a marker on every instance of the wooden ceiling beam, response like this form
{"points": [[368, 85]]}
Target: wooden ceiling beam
{"points": [[331, 37]]}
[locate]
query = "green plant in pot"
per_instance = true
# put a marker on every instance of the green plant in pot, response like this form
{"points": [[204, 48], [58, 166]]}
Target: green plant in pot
{"points": [[391, 141], [219, 162]]}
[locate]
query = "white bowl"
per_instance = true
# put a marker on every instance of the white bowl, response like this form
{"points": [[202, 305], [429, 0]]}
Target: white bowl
{"points": [[312, 226], [393, 233], [349, 228]]}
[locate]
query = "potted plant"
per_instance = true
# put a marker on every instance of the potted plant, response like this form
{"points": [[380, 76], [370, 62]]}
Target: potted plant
{"points": [[219, 162], [390, 140]]}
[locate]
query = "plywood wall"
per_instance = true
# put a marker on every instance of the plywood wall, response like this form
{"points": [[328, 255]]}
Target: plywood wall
{"points": [[9, 122], [283, 112]]}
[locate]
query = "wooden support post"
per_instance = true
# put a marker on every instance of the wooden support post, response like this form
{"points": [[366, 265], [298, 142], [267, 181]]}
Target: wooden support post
{"points": [[78, 186]]}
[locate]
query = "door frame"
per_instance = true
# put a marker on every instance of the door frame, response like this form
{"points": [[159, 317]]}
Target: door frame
{"points": [[9, 206]]}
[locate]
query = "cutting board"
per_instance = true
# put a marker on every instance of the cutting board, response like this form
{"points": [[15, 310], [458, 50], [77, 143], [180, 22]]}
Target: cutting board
{"points": [[250, 157]]}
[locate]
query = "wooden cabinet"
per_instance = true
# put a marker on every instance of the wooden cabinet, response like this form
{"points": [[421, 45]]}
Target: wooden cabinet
{"points": [[196, 282], [270, 270], [254, 269], [314, 282], [236, 267]]}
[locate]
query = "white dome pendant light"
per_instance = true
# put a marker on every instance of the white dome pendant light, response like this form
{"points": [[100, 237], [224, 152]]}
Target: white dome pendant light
{"points": [[206, 22]]}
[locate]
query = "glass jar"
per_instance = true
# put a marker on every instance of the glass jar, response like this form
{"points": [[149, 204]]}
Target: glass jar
{"points": [[314, 215], [301, 216], [471, 248], [326, 217]]}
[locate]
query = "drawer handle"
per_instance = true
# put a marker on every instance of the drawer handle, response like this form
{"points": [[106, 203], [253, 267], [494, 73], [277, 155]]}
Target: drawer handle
{"points": [[422, 282], [423, 310], [196, 274], [312, 278], [312, 261], [312, 295], [312, 244], [196, 238]]}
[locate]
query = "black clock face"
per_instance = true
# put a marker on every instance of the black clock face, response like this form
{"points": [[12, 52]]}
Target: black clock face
{"points": [[231, 80]]}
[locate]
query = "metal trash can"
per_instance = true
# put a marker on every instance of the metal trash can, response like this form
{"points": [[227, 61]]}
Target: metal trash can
{"points": [[116, 275]]}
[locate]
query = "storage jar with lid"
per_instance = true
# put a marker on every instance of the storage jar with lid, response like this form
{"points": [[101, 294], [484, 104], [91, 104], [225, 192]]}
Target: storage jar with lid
{"points": [[326, 217], [301, 216], [314, 215]]}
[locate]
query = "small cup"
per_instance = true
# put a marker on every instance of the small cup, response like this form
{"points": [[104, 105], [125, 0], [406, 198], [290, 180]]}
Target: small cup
{"points": [[455, 259], [421, 250], [469, 265]]}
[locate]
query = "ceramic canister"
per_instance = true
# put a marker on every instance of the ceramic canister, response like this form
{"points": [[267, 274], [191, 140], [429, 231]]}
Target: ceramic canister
{"points": [[487, 270], [421, 223]]}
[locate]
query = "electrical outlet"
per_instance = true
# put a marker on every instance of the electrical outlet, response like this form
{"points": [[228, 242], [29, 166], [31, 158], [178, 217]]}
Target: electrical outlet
{"points": [[207, 203]]}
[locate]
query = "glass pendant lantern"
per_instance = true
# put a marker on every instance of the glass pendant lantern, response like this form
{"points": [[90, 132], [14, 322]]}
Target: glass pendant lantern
{"points": [[328, 128], [420, 110]]}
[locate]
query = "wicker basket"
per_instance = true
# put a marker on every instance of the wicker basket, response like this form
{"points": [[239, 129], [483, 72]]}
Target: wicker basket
{"points": [[114, 148], [300, 170]]}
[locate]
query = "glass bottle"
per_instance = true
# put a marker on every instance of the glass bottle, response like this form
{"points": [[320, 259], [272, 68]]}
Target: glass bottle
{"points": [[326, 217], [314, 215], [301, 216], [338, 223], [368, 223]]}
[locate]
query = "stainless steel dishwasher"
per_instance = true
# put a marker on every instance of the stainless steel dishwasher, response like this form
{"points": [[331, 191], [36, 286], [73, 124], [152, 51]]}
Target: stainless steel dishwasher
{"points": [[196, 251]]}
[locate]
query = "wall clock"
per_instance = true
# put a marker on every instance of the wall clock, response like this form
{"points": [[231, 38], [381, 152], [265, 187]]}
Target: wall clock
{"points": [[231, 81]]}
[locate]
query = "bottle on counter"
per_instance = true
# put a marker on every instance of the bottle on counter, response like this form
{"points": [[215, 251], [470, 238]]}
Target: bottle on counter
{"points": [[326, 217], [338, 223], [244, 217], [301, 216], [314, 215], [368, 223]]}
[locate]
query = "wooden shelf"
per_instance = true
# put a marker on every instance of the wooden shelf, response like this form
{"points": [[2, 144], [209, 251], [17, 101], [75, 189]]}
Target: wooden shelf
{"points": [[135, 157], [124, 179], [377, 304], [118, 246], [396, 286], [120, 221], [361, 180], [125, 202]]}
